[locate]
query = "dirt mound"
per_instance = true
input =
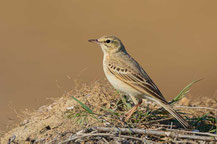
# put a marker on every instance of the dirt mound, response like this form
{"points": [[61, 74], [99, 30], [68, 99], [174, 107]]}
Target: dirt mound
{"points": [[64, 117], [49, 121]]}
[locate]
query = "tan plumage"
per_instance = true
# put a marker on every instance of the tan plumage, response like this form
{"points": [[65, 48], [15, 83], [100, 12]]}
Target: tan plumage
{"points": [[127, 76]]}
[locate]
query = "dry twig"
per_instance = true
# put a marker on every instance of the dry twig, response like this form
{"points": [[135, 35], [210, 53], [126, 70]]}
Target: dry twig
{"points": [[75, 137], [172, 134], [192, 107], [121, 133]]}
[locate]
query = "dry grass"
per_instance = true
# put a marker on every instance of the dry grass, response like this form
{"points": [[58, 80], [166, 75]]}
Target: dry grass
{"points": [[105, 107]]}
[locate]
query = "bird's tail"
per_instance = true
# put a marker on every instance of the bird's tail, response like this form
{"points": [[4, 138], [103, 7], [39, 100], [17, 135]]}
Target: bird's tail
{"points": [[166, 106]]}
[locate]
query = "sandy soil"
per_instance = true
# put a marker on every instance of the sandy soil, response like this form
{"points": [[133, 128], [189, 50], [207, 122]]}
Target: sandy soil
{"points": [[54, 123]]}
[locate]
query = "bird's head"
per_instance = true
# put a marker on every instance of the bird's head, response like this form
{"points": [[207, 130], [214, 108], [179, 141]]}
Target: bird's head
{"points": [[109, 44]]}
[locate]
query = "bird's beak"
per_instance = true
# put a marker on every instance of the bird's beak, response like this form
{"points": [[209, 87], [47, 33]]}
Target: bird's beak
{"points": [[93, 40]]}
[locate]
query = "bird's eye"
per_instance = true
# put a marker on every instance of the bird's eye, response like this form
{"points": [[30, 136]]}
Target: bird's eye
{"points": [[107, 41]]}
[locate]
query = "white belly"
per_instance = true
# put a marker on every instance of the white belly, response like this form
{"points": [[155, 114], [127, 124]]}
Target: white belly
{"points": [[120, 86]]}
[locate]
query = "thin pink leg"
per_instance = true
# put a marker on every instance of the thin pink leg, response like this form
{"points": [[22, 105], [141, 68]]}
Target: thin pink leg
{"points": [[132, 110]]}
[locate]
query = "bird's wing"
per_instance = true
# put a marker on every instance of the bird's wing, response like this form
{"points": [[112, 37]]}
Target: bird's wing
{"points": [[136, 79], [149, 80]]}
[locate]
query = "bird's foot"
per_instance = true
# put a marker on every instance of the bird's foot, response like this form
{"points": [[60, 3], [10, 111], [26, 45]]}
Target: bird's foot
{"points": [[132, 110], [130, 113]]}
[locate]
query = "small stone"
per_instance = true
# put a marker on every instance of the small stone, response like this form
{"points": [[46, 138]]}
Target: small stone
{"points": [[184, 101], [70, 108]]}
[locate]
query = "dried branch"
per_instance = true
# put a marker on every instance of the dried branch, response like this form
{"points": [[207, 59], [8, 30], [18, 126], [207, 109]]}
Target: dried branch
{"points": [[197, 133], [121, 133], [190, 107], [75, 137], [172, 134]]}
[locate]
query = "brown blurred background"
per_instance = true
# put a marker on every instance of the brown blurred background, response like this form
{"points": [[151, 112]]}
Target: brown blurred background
{"points": [[44, 48]]}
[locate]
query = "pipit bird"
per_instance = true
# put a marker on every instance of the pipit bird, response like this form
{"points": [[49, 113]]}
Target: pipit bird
{"points": [[128, 77]]}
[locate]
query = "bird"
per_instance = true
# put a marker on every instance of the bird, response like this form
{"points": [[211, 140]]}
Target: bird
{"points": [[126, 75]]}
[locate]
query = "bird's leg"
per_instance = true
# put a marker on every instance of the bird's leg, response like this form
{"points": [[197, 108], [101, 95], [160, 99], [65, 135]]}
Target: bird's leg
{"points": [[131, 111]]}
